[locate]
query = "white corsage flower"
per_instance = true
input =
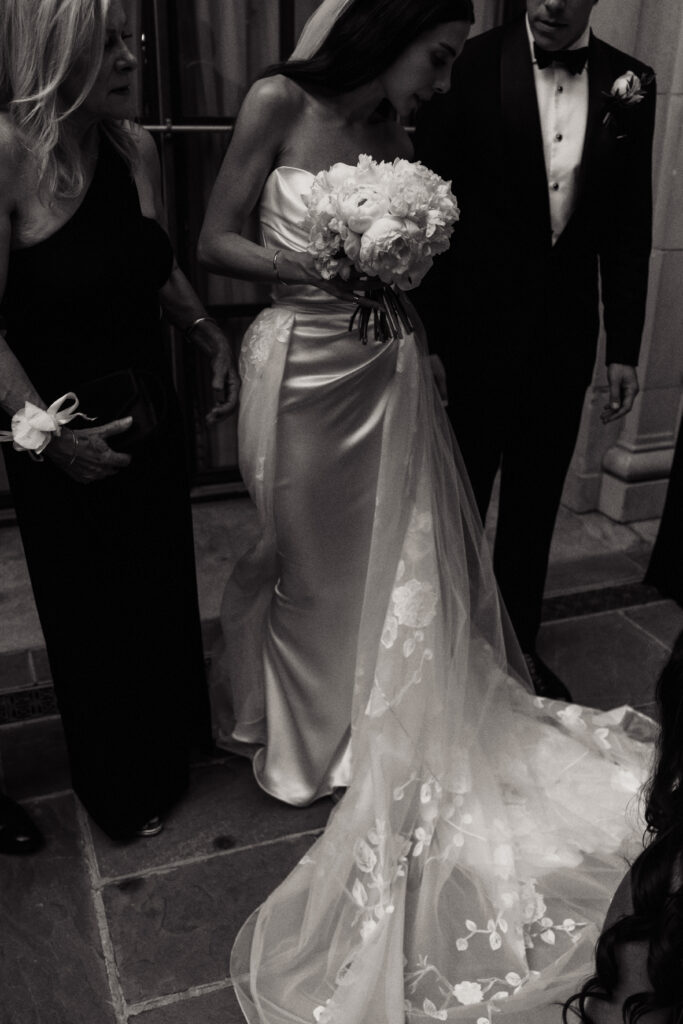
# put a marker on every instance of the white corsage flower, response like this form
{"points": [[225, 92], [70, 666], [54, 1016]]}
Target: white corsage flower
{"points": [[33, 427]]}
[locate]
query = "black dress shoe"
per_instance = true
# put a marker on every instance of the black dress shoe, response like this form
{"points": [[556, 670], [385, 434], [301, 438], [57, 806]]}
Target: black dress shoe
{"points": [[544, 680], [18, 834]]}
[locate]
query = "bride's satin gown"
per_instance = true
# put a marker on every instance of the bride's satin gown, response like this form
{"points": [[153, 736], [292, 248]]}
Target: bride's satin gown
{"points": [[467, 871]]}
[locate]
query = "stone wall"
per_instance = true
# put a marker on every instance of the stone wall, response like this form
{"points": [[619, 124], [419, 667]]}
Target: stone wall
{"points": [[622, 469]]}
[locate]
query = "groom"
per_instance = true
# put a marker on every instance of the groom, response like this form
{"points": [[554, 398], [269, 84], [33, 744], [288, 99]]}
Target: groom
{"points": [[553, 177]]}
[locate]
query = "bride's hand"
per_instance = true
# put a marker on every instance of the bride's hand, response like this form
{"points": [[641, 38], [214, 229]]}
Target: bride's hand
{"points": [[300, 268]]}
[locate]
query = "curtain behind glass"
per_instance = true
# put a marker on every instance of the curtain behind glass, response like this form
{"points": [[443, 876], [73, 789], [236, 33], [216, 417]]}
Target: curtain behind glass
{"points": [[222, 45]]}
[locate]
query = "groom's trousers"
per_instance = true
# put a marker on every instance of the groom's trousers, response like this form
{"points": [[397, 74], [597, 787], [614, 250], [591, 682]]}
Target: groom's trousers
{"points": [[524, 421]]}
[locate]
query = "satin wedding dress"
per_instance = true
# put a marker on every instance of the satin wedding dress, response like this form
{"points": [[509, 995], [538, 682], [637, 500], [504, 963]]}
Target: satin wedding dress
{"points": [[466, 873]]}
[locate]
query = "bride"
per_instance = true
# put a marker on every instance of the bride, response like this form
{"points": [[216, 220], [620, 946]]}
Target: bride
{"points": [[466, 873]]}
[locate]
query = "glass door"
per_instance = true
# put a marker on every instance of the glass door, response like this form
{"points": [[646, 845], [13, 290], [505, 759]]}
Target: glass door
{"points": [[198, 60]]}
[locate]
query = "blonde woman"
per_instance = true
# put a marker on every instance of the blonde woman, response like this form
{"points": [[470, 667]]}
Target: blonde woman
{"points": [[103, 509]]}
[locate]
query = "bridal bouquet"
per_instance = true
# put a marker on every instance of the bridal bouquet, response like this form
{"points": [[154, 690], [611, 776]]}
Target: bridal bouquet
{"points": [[383, 220]]}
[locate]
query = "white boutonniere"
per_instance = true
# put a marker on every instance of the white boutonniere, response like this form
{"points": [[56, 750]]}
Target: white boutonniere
{"points": [[627, 91]]}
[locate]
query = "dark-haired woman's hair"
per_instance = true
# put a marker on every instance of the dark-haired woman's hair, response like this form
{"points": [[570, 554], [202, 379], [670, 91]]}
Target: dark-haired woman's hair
{"points": [[656, 885], [366, 39]]}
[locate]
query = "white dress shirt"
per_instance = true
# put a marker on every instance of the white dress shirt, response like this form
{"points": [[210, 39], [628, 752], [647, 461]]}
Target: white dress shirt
{"points": [[563, 110]]}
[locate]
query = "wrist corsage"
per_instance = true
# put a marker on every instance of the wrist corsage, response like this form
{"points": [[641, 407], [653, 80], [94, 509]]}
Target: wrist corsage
{"points": [[627, 91], [33, 428]]}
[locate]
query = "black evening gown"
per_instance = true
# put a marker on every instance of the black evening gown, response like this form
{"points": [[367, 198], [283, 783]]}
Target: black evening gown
{"points": [[111, 562], [665, 570]]}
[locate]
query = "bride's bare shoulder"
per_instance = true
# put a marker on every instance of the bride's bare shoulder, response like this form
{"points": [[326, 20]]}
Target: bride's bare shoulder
{"points": [[274, 100]]}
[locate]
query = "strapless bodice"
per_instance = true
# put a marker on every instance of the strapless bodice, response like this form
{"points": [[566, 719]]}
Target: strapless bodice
{"points": [[282, 225]]}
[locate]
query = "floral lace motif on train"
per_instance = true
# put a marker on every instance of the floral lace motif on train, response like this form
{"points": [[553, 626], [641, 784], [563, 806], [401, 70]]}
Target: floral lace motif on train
{"points": [[269, 327], [412, 609]]}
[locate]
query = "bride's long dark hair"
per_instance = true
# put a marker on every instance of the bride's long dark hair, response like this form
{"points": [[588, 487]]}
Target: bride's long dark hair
{"points": [[656, 885], [366, 39]]}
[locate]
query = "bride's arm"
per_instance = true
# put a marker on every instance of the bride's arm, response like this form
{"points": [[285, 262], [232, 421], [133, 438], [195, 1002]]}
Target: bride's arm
{"points": [[267, 117]]}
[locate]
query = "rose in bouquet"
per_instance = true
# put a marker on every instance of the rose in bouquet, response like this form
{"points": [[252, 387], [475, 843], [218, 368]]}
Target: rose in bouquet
{"points": [[381, 220]]}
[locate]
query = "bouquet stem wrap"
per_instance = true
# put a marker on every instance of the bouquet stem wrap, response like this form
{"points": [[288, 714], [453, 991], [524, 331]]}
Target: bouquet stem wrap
{"points": [[391, 321]]}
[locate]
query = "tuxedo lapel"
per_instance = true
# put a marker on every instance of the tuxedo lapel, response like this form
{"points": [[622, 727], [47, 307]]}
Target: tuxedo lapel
{"points": [[599, 83], [523, 143]]}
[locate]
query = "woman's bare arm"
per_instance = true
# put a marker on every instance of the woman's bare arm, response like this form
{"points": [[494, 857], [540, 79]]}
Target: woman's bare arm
{"points": [[15, 386], [267, 117]]}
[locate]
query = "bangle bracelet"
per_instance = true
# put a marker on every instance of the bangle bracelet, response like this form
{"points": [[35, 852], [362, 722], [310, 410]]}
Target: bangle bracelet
{"points": [[205, 318], [278, 253]]}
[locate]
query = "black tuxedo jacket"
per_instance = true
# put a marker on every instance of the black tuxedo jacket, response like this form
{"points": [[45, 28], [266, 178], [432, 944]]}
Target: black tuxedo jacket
{"points": [[503, 293]]}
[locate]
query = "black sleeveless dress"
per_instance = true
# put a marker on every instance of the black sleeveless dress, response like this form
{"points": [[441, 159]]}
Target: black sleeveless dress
{"points": [[111, 562]]}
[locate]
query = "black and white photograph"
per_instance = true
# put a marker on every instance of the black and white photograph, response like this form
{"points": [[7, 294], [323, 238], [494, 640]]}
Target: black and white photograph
{"points": [[341, 512]]}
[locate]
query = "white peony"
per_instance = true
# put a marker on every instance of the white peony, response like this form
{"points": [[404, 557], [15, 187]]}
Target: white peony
{"points": [[387, 220], [362, 207]]}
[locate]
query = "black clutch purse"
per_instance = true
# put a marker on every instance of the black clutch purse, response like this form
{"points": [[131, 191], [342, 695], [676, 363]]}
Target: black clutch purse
{"points": [[135, 393]]}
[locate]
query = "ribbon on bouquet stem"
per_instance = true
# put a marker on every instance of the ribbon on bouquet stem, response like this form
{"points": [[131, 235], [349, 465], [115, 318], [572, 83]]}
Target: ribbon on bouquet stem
{"points": [[33, 427], [390, 320]]}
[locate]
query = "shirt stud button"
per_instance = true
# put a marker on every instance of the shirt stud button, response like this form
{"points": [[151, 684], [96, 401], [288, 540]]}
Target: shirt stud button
{"points": [[559, 137], [560, 88], [555, 186]]}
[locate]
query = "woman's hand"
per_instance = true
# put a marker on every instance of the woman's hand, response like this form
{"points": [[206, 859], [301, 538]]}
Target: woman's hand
{"points": [[225, 381], [85, 456]]}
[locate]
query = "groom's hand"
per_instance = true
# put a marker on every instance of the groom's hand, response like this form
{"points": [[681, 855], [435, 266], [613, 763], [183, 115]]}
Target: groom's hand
{"points": [[623, 388]]}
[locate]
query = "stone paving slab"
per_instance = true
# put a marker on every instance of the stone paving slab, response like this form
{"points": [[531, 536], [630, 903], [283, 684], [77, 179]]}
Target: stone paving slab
{"points": [[33, 757], [171, 905], [174, 930], [663, 620], [52, 968], [223, 810], [592, 572], [606, 660]]}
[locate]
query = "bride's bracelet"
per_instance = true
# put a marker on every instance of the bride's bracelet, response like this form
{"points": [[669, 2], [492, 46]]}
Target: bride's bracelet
{"points": [[276, 257], [33, 428]]}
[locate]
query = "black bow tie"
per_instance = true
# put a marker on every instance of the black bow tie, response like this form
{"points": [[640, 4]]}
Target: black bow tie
{"points": [[573, 60]]}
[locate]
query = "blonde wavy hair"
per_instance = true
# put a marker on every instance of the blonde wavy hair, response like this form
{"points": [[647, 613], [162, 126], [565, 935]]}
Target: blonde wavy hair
{"points": [[41, 42]]}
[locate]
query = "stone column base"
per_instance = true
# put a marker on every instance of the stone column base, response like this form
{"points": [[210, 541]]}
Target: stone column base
{"points": [[634, 484]]}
